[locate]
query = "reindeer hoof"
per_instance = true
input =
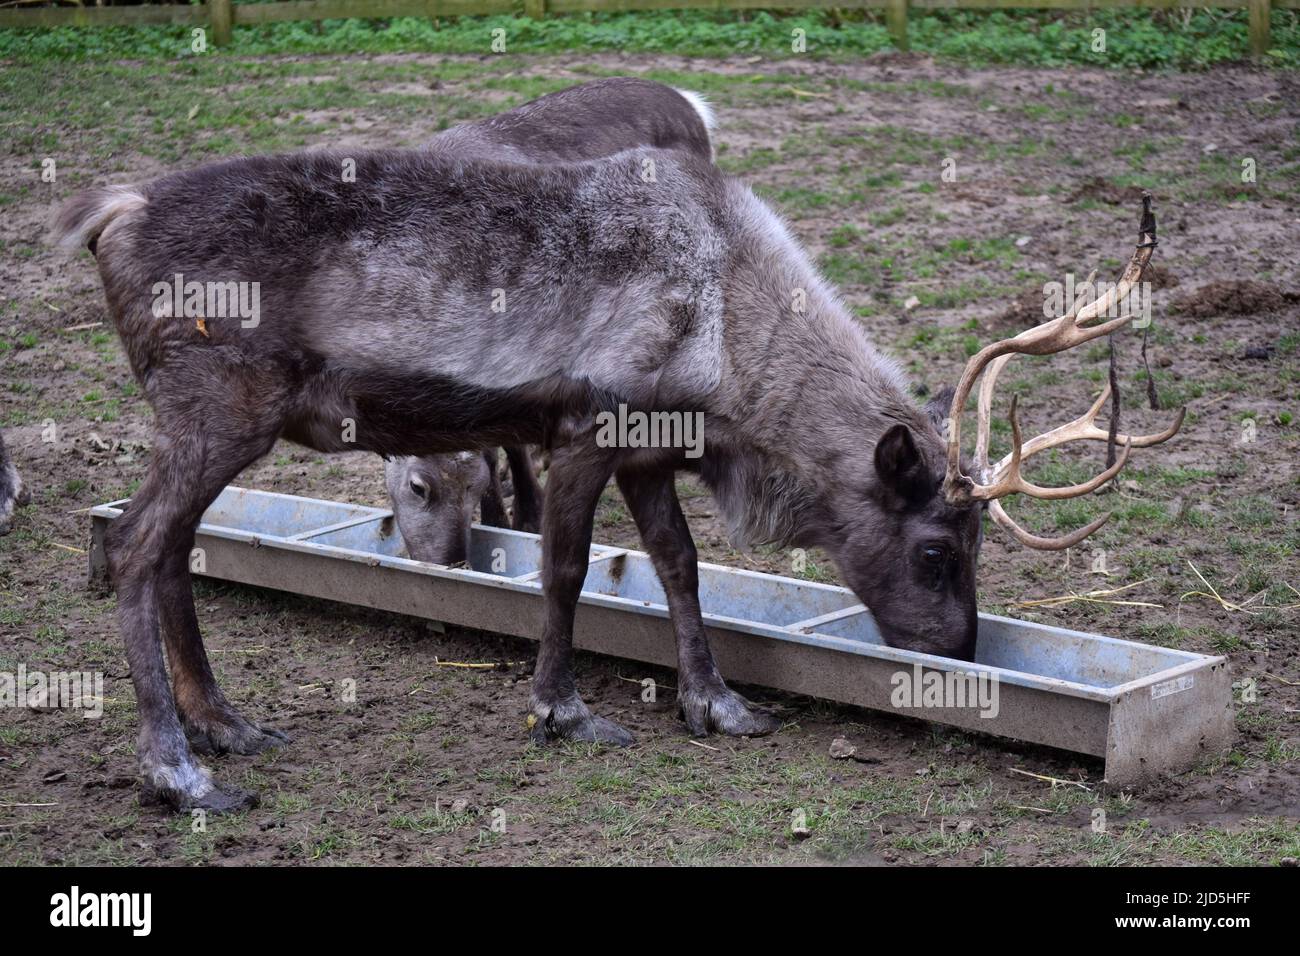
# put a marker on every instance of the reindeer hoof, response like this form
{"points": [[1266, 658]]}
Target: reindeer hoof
{"points": [[723, 711], [236, 736], [571, 720], [216, 799]]}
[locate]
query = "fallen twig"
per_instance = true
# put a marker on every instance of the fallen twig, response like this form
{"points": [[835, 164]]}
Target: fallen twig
{"points": [[1283, 680], [658, 686], [1054, 781], [468, 666], [1091, 597], [1227, 605], [705, 746]]}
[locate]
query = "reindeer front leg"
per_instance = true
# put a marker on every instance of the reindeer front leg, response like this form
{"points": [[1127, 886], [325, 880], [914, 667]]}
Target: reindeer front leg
{"points": [[579, 471], [707, 704]]}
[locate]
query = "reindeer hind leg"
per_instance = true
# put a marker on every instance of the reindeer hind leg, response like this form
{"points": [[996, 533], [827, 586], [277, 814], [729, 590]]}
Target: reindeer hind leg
{"points": [[192, 460]]}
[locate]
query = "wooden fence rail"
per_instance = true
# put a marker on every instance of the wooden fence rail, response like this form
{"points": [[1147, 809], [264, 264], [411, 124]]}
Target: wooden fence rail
{"points": [[221, 16]]}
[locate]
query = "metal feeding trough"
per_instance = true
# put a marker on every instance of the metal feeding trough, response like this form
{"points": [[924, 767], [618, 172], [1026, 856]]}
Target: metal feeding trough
{"points": [[1146, 710]]}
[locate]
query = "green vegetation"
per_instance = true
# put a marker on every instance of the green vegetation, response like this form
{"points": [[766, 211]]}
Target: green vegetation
{"points": [[1148, 39]]}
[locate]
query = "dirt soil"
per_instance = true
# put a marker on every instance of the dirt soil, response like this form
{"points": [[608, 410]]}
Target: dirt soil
{"points": [[429, 760]]}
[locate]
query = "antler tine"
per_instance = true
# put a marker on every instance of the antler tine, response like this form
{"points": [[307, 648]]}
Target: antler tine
{"points": [[1084, 428], [999, 514], [1074, 491], [1120, 291], [984, 414], [1008, 479], [1131, 276], [956, 486]]}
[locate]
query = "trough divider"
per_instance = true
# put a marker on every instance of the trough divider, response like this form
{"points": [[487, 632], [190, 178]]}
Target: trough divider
{"points": [[339, 526], [811, 624], [598, 559]]}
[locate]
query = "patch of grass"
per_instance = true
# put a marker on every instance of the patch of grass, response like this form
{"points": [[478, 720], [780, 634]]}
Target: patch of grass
{"points": [[1260, 841], [435, 820], [847, 268], [1254, 842], [946, 842], [1148, 39], [1252, 512], [1226, 643], [821, 571]]}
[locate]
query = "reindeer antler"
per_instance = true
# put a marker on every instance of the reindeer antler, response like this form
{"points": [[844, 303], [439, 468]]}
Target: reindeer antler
{"points": [[1055, 335]]}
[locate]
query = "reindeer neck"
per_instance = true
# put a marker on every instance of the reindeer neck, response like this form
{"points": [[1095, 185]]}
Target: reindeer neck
{"points": [[804, 383], [804, 395]]}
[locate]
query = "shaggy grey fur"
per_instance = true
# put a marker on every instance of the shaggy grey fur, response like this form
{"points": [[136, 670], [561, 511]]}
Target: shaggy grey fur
{"points": [[12, 492], [582, 122], [439, 303]]}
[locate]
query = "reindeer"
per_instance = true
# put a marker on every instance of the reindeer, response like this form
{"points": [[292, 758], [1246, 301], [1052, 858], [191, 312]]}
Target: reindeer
{"points": [[433, 495], [647, 279], [12, 493], [588, 121]]}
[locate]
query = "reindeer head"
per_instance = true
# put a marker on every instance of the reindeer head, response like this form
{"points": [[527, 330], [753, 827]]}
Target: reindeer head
{"points": [[433, 500], [911, 554], [913, 560]]}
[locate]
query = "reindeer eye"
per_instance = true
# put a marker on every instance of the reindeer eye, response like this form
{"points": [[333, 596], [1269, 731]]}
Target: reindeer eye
{"points": [[934, 555]]}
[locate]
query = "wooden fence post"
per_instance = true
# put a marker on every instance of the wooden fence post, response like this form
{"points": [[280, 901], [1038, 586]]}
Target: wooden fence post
{"points": [[221, 17], [535, 8], [896, 21], [1259, 27]]}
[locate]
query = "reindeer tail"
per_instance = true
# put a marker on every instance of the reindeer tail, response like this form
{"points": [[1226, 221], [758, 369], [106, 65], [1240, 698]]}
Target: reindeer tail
{"points": [[84, 217]]}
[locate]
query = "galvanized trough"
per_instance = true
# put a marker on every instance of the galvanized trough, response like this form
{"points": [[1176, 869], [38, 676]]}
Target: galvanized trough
{"points": [[1145, 710]]}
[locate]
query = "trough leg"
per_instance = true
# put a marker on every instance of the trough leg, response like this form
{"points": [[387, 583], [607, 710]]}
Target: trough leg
{"points": [[707, 704], [579, 472], [529, 496], [189, 466]]}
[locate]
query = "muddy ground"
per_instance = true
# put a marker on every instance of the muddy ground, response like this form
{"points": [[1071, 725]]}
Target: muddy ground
{"points": [[1048, 166]]}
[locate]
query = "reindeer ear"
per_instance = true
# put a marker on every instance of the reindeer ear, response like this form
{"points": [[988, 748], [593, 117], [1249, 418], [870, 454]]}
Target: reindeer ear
{"points": [[899, 464], [940, 407]]}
